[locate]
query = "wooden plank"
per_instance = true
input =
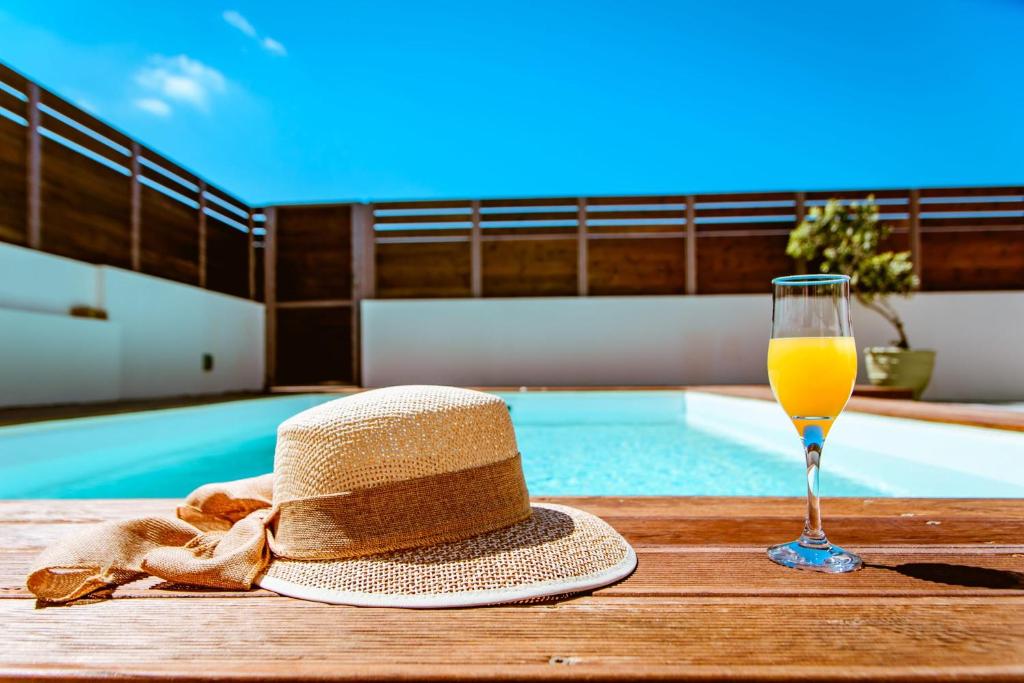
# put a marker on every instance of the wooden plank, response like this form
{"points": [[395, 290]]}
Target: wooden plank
{"points": [[542, 267], [744, 211], [13, 78], [13, 182], [403, 219], [630, 266], [632, 214], [227, 202], [742, 197], [856, 194], [552, 231], [421, 232], [973, 222], [33, 183], [169, 166], [526, 201], [582, 256], [639, 228], [690, 269], [85, 207], [750, 227], [136, 209], [697, 610], [741, 264], [530, 216], [587, 639], [370, 259], [227, 256], [914, 223], [82, 139], [989, 191], [83, 118], [364, 270], [202, 233], [971, 207], [422, 204], [270, 295], [320, 303], [635, 200], [976, 260], [476, 269], [426, 270], [12, 103], [314, 252], [169, 244], [251, 254]]}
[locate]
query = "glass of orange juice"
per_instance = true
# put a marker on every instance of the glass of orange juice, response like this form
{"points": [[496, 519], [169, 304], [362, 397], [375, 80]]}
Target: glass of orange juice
{"points": [[812, 366]]}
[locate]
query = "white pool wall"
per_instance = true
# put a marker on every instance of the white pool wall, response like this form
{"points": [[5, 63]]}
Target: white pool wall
{"points": [[898, 456], [670, 340], [151, 346]]}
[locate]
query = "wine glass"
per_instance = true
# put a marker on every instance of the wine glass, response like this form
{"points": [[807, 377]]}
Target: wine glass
{"points": [[812, 366]]}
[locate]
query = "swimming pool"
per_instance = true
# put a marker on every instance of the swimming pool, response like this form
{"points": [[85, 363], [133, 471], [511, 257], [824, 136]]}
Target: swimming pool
{"points": [[573, 443]]}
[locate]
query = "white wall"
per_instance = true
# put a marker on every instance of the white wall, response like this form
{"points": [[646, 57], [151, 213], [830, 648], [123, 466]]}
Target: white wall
{"points": [[669, 340], [151, 346]]}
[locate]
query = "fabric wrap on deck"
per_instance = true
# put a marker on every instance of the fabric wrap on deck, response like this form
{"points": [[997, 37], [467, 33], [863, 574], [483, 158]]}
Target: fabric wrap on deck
{"points": [[227, 533]]}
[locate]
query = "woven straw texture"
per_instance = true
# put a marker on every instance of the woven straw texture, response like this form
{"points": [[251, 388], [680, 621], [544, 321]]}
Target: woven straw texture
{"points": [[401, 492], [389, 435], [557, 544]]}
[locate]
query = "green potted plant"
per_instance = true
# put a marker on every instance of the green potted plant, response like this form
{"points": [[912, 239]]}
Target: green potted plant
{"points": [[847, 240]]}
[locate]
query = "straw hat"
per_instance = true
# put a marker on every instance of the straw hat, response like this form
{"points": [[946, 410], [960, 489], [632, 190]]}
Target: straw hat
{"points": [[400, 497]]}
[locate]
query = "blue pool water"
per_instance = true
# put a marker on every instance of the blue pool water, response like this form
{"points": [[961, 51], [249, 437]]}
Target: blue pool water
{"points": [[573, 443]]}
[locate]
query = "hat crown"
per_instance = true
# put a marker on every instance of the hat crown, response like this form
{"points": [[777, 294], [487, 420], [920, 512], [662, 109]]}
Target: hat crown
{"points": [[389, 435]]}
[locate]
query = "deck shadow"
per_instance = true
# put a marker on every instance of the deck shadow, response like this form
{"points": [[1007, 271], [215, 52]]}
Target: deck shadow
{"points": [[959, 575]]}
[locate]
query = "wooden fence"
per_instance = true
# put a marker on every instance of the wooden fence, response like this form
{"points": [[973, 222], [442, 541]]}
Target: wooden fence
{"points": [[323, 259], [72, 185]]}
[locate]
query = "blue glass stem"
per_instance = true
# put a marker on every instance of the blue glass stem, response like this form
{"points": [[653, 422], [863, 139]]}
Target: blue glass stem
{"points": [[813, 535]]}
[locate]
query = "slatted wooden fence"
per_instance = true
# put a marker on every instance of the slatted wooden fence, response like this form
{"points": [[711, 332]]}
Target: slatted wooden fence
{"points": [[75, 186], [330, 256]]}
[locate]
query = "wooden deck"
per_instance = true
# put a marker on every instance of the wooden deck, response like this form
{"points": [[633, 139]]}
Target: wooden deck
{"points": [[942, 596]]}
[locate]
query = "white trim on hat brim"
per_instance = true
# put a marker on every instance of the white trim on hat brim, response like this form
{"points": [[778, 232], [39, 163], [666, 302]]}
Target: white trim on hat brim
{"points": [[448, 600]]}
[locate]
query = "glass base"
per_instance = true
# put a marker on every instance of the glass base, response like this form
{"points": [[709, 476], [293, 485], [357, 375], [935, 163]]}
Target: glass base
{"points": [[828, 558]]}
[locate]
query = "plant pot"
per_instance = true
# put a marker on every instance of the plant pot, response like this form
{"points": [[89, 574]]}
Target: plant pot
{"points": [[889, 366]]}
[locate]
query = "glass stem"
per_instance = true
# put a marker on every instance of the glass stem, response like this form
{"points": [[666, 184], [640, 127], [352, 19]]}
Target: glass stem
{"points": [[813, 535]]}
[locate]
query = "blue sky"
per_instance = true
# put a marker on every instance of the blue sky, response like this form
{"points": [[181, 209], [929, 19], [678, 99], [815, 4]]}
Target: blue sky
{"points": [[301, 101]]}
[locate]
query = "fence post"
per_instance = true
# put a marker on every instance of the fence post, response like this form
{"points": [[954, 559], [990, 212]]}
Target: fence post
{"points": [[202, 234], [34, 170], [691, 245], [270, 294], [136, 194], [251, 246], [914, 224], [799, 213], [476, 275], [582, 253]]}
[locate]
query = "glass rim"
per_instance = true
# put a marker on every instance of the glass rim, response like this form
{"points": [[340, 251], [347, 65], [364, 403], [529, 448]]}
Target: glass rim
{"points": [[805, 280]]}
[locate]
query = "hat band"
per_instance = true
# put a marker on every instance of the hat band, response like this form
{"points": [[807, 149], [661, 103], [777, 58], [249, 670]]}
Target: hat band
{"points": [[451, 506]]}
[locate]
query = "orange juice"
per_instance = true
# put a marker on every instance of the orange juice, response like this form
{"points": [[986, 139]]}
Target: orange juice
{"points": [[812, 377]]}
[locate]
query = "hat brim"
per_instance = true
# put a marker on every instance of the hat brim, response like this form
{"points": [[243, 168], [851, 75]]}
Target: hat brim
{"points": [[556, 551]]}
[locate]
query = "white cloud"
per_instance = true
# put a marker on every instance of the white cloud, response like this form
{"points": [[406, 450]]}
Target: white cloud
{"points": [[271, 45], [182, 79], [236, 19], [154, 106]]}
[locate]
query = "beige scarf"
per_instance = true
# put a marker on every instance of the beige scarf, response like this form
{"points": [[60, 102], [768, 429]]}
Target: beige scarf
{"points": [[226, 534]]}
